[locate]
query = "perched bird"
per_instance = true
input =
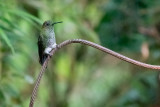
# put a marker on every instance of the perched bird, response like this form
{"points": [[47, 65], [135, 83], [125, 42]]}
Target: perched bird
{"points": [[46, 40]]}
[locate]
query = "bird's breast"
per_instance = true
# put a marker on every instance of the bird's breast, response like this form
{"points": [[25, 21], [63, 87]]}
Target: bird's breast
{"points": [[49, 39]]}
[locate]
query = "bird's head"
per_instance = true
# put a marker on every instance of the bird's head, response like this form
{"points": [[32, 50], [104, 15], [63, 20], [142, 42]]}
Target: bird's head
{"points": [[49, 24]]}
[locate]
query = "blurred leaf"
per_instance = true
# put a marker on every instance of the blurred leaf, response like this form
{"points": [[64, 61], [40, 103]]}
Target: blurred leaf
{"points": [[6, 39]]}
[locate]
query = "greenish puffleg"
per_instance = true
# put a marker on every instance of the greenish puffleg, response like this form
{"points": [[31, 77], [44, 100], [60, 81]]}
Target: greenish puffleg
{"points": [[46, 40]]}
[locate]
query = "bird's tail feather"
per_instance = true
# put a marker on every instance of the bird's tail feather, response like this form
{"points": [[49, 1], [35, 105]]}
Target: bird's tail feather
{"points": [[43, 58]]}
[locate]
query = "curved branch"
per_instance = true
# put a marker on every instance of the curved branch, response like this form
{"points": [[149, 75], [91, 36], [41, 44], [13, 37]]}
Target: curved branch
{"points": [[94, 45]]}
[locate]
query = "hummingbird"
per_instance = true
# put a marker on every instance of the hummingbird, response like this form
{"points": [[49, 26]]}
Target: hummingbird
{"points": [[46, 40]]}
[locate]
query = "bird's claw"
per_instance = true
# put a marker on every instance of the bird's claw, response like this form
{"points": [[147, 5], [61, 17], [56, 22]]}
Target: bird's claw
{"points": [[50, 55], [57, 46]]}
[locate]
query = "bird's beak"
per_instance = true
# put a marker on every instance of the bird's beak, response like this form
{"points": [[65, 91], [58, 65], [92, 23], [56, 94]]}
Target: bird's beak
{"points": [[56, 23]]}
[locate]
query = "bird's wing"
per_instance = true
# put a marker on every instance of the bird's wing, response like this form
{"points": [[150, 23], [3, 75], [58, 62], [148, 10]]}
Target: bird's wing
{"points": [[41, 48]]}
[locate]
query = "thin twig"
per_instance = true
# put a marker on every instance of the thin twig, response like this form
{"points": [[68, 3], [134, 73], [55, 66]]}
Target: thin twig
{"points": [[94, 45]]}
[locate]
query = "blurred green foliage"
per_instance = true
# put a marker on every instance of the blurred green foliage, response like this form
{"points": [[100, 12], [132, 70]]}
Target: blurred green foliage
{"points": [[80, 76]]}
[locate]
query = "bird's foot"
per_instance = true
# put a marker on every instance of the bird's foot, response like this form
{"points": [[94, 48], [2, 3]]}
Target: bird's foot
{"points": [[50, 55], [54, 45], [47, 51], [57, 46]]}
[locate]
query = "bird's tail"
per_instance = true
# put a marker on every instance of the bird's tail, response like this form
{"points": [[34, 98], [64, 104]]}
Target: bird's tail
{"points": [[43, 58]]}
